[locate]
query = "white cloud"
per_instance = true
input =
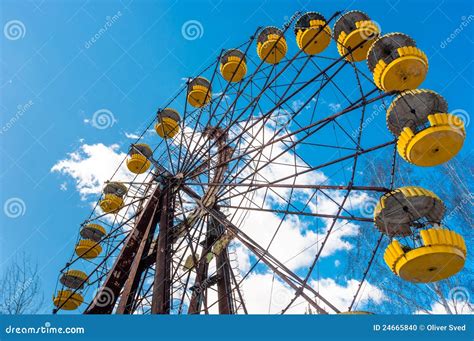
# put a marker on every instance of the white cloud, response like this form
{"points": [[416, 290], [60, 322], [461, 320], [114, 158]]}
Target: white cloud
{"points": [[132, 136], [220, 94], [455, 307], [265, 293], [297, 104], [341, 295], [295, 244], [91, 165]]}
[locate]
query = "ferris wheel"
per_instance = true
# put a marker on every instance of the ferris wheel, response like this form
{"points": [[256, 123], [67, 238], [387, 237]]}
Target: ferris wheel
{"points": [[263, 140]]}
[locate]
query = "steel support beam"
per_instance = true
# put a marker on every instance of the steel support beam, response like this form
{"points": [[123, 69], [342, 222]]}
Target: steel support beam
{"points": [[161, 299], [138, 266], [197, 297], [224, 285], [107, 296]]}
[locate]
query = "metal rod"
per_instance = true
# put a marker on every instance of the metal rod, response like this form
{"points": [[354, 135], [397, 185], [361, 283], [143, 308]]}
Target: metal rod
{"points": [[301, 186], [321, 215]]}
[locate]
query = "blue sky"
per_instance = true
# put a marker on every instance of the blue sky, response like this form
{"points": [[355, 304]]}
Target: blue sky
{"points": [[53, 78]]}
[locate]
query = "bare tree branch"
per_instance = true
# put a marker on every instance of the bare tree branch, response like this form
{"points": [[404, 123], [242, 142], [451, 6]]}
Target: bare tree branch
{"points": [[20, 288]]}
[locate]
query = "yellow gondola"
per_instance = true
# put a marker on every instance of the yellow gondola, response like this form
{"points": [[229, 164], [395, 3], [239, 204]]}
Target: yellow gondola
{"points": [[233, 65], [139, 155], [442, 254], [88, 249], [354, 32], [396, 63], [74, 279], [67, 300], [271, 45], [313, 34], [199, 92], [397, 210], [167, 125], [93, 232], [427, 134], [114, 193]]}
